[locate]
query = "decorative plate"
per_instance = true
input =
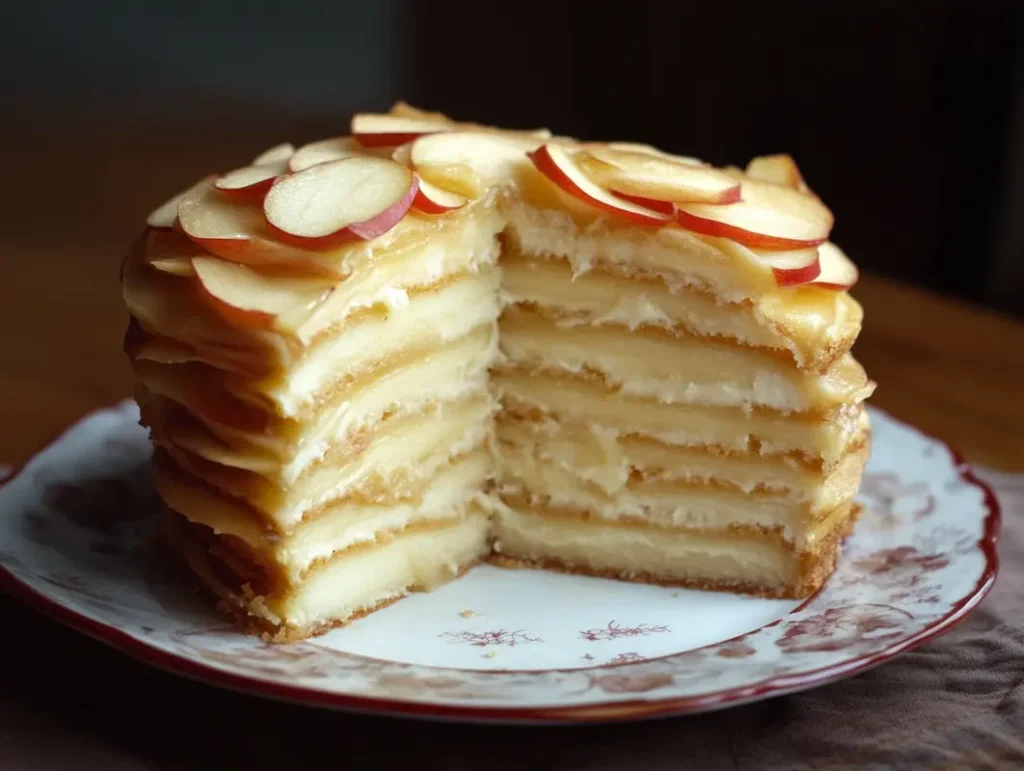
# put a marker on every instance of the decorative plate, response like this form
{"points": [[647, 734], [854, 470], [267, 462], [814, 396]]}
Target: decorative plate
{"points": [[508, 645]]}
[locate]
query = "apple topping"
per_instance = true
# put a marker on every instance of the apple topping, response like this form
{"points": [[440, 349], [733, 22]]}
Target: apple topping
{"points": [[166, 214], [336, 202], [779, 169], [769, 216], [333, 149], [430, 199], [373, 130], [238, 233], [468, 162], [250, 183], [655, 176], [276, 154], [837, 270], [249, 299], [555, 163], [792, 268]]}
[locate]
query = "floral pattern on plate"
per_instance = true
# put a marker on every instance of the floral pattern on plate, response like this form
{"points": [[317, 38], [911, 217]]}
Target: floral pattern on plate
{"points": [[508, 645]]}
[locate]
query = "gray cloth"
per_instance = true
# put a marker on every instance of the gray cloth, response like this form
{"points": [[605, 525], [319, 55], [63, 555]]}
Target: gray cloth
{"points": [[956, 702]]}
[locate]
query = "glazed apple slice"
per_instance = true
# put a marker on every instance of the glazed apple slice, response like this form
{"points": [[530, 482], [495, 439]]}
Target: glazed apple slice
{"points": [[555, 163], [468, 162], [653, 176], [430, 199], [780, 169], [837, 270], [276, 154], [374, 130], [249, 299], [165, 215], [322, 151], [769, 216], [792, 268], [239, 234], [333, 203], [250, 183]]}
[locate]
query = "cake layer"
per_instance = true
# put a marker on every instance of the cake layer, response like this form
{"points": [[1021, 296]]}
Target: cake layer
{"points": [[346, 523], [812, 329], [379, 274], [636, 552], [672, 368], [393, 461], [405, 384], [363, 579], [707, 505], [609, 461], [815, 439]]}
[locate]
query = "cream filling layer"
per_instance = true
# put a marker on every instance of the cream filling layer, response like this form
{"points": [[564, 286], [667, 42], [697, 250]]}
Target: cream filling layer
{"points": [[607, 460], [395, 462], [332, 530], [365, 578], [426, 320], [812, 330], [443, 374], [579, 401], [645, 552], [667, 504], [688, 370]]}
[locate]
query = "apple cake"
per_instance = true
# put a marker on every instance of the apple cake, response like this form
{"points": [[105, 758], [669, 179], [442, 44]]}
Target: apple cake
{"points": [[372, 362]]}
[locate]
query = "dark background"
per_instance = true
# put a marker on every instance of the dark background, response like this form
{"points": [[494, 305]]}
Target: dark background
{"points": [[906, 117]]}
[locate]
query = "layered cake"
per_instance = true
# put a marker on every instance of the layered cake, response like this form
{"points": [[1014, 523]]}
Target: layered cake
{"points": [[374, 361]]}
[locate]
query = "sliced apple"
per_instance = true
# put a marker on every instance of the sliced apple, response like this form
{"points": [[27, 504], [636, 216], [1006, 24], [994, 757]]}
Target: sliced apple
{"points": [[792, 268], [165, 215], [250, 183], [430, 199], [375, 130], [837, 270], [249, 299], [468, 162], [555, 163], [333, 203], [276, 154], [654, 176], [769, 216], [322, 151], [239, 234], [639, 147], [402, 109], [780, 169]]}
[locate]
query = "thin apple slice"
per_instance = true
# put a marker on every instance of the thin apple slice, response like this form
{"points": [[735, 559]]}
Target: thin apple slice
{"points": [[652, 176], [430, 199], [249, 299], [780, 169], [239, 234], [333, 203], [276, 154], [837, 270], [769, 216], [165, 215], [639, 147], [555, 163], [792, 268], [322, 151], [250, 183], [174, 266], [375, 130], [468, 162]]}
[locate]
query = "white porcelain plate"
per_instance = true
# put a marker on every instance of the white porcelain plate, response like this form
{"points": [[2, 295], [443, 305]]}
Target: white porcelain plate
{"points": [[508, 645]]}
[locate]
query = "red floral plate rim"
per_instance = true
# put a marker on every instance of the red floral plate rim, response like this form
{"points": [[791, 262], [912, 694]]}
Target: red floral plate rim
{"points": [[610, 711]]}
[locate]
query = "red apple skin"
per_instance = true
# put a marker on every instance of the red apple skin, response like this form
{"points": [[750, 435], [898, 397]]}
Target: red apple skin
{"points": [[239, 317], [546, 166], [668, 208], [257, 252], [797, 276], [250, 194], [755, 240], [360, 231]]}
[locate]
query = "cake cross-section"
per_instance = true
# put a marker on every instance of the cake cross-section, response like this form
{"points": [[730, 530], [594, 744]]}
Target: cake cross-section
{"points": [[372, 362]]}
